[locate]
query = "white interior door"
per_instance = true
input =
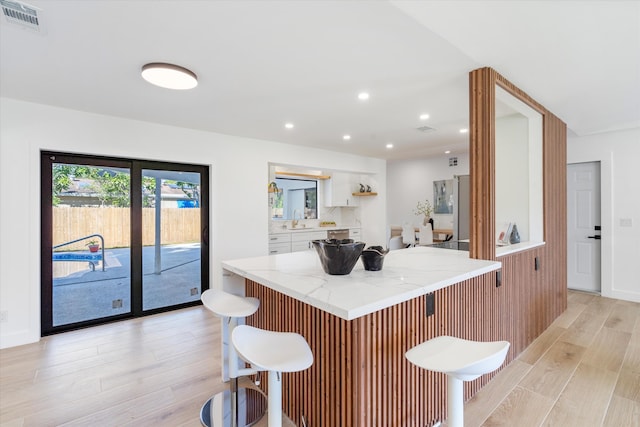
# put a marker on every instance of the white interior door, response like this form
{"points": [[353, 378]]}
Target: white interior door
{"points": [[583, 226]]}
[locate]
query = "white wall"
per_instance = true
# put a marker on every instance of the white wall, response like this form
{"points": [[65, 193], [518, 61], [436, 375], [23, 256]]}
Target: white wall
{"points": [[239, 198], [518, 175], [411, 181], [512, 173], [619, 156]]}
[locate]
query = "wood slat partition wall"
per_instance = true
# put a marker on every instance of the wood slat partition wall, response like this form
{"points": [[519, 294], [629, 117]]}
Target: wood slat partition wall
{"points": [[482, 130], [360, 376], [552, 297], [555, 208], [482, 83]]}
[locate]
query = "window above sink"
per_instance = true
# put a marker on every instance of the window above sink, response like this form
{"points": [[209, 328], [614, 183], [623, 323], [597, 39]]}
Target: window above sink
{"points": [[294, 198]]}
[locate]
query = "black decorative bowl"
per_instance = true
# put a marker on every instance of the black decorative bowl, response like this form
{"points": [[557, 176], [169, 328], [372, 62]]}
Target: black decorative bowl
{"points": [[373, 258], [338, 257]]}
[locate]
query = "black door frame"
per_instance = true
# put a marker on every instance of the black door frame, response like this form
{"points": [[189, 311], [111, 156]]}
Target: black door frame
{"points": [[135, 166]]}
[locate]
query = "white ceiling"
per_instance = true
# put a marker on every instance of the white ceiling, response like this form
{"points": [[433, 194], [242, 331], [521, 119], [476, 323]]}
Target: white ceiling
{"points": [[263, 63]]}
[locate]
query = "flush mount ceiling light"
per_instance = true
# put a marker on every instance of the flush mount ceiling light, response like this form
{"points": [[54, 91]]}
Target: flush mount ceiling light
{"points": [[424, 116], [346, 137], [288, 125], [464, 130], [169, 76], [363, 96], [389, 145]]}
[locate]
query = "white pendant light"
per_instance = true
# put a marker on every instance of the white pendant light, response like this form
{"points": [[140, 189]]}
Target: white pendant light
{"points": [[169, 76]]}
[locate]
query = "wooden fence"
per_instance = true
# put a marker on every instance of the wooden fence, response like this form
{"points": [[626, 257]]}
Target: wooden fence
{"points": [[114, 224]]}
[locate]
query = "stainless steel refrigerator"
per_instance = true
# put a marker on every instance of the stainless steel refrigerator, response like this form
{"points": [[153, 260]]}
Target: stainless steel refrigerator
{"points": [[461, 207]]}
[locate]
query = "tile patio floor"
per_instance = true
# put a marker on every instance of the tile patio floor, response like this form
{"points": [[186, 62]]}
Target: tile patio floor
{"points": [[87, 294]]}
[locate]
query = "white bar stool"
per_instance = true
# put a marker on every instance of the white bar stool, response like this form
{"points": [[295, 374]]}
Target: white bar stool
{"points": [[230, 308], [462, 360], [275, 352]]}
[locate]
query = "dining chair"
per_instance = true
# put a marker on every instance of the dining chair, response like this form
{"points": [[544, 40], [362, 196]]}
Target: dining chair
{"points": [[425, 236], [408, 235], [395, 243]]}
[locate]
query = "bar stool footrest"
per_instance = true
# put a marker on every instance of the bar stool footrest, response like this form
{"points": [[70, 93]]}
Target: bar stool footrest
{"points": [[218, 408]]}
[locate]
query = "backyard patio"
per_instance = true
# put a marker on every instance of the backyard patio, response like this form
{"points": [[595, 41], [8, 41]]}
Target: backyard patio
{"points": [[87, 294]]}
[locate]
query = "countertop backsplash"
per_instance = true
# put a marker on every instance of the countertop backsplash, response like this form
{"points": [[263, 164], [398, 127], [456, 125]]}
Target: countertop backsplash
{"points": [[343, 217]]}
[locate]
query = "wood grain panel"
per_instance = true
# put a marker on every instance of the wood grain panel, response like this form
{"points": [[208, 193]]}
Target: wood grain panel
{"points": [[538, 297], [555, 207], [360, 376], [482, 162], [482, 84]]}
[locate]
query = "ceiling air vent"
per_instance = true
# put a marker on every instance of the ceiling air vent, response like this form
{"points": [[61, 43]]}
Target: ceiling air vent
{"points": [[425, 129], [453, 161], [22, 14]]}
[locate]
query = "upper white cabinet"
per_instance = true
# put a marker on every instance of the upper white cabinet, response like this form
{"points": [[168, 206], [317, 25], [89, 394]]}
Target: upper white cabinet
{"points": [[339, 190]]}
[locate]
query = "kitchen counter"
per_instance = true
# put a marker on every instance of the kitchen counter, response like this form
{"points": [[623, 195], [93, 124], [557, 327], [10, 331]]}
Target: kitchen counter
{"points": [[278, 230], [360, 325], [407, 274]]}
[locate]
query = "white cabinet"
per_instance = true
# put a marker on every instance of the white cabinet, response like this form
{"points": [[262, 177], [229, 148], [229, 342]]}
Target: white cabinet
{"points": [[279, 243], [355, 234], [279, 248], [301, 241], [339, 190], [283, 243], [301, 246]]}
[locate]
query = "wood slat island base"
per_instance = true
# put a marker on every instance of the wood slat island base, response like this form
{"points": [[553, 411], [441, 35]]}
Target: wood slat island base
{"points": [[360, 376], [360, 325]]}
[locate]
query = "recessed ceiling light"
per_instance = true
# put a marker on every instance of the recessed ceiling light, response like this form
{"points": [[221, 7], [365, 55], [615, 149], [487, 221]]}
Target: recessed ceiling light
{"points": [[447, 152], [288, 125], [424, 116], [389, 145], [346, 137], [464, 130], [363, 96], [169, 76]]}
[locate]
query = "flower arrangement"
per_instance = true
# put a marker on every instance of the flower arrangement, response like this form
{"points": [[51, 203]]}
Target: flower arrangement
{"points": [[424, 208]]}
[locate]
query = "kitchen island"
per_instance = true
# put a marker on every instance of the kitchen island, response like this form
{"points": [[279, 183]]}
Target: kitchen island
{"points": [[360, 325]]}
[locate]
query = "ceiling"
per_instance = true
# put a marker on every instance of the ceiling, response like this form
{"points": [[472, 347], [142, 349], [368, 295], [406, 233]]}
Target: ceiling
{"points": [[263, 63]]}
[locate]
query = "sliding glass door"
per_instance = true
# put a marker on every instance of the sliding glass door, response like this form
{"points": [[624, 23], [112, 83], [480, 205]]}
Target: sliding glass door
{"points": [[171, 237], [88, 202], [120, 238]]}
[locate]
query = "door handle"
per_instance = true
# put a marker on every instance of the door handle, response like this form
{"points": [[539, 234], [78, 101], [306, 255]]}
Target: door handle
{"points": [[205, 235], [594, 237]]}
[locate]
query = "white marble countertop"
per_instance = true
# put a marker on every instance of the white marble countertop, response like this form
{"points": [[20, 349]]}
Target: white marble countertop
{"points": [[407, 274], [516, 247]]}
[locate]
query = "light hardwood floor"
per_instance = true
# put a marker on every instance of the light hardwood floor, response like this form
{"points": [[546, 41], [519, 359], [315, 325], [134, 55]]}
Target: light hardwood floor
{"points": [[584, 370]]}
